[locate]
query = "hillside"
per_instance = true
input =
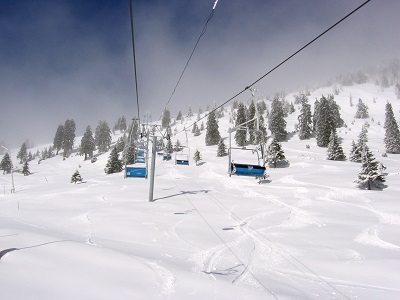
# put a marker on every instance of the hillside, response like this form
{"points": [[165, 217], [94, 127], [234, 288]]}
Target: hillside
{"points": [[308, 233]]}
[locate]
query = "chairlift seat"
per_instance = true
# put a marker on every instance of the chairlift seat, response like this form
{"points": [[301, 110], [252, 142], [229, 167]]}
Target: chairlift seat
{"points": [[184, 162], [247, 170], [136, 172]]}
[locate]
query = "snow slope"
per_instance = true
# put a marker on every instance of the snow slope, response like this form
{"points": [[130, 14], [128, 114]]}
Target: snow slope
{"points": [[308, 233]]}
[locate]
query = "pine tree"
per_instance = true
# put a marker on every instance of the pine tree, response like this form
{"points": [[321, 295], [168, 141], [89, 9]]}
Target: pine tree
{"points": [[212, 133], [76, 177], [179, 116], [59, 139], [197, 131], [261, 134], [305, 121], [87, 143], [277, 123], [324, 124], [25, 169], [120, 144], [197, 157], [30, 156], [190, 113], [102, 136], [392, 133], [6, 164], [335, 150], [221, 149], [397, 90], [166, 118], [69, 136], [291, 108], [178, 146], [275, 155], [168, 147], [114, 164], [122, 125], [202, 126], [22, 153], [129, 154], [315, 115], [355, 152], [251, 126], [335, 112], [363, 136], [194, 127], [369, 176], [240, 135], [261, 107], [362, 110]]}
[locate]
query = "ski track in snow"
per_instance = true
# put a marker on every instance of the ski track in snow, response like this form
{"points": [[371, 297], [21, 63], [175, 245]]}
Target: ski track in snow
{"points": [[370, 237], [167, 279]]}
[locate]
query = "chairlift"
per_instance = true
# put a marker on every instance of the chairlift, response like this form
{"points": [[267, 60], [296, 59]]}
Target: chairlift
{"points": [[183, 158], [245, 169], [139, 169]]}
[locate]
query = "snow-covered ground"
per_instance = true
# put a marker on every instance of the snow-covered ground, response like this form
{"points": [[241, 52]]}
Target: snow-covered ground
{"points": [[308, 233]]}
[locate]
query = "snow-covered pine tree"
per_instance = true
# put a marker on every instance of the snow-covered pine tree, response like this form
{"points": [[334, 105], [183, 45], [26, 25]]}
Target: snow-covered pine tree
{"points": [[275, 154], [202, 126], [277, 123], [369, 176], [335, 150], [392, 133], [197, 131], [120, 144], [178, 146], [335, 112], [76, 177], [69, 136], [190, 113], [87, 143], [168, 147], [25, 169], [166, 118], [212, 132], [179, 116], [194, 127], [59, 138], [291, 108], [122, 125], [305, 120], [221, 149], [262, 131], [22, 153], [363, 136], [114, 164], [6, 164], [240, 135], [261, 107], [315, 115], [251, 113], [355, 152], [324, 123], [197, 157], [30, 156], [129, 154], [362, 110], [397, 90], [102, 136]]}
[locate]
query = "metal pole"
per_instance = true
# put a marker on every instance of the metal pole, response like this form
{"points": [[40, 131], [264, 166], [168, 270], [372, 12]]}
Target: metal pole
{"points": [[230, 147], [12, 180], [153, 168]]}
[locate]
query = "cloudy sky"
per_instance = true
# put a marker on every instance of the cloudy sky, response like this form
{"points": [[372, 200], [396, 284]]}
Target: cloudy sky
{"points": [[64, 59]]}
